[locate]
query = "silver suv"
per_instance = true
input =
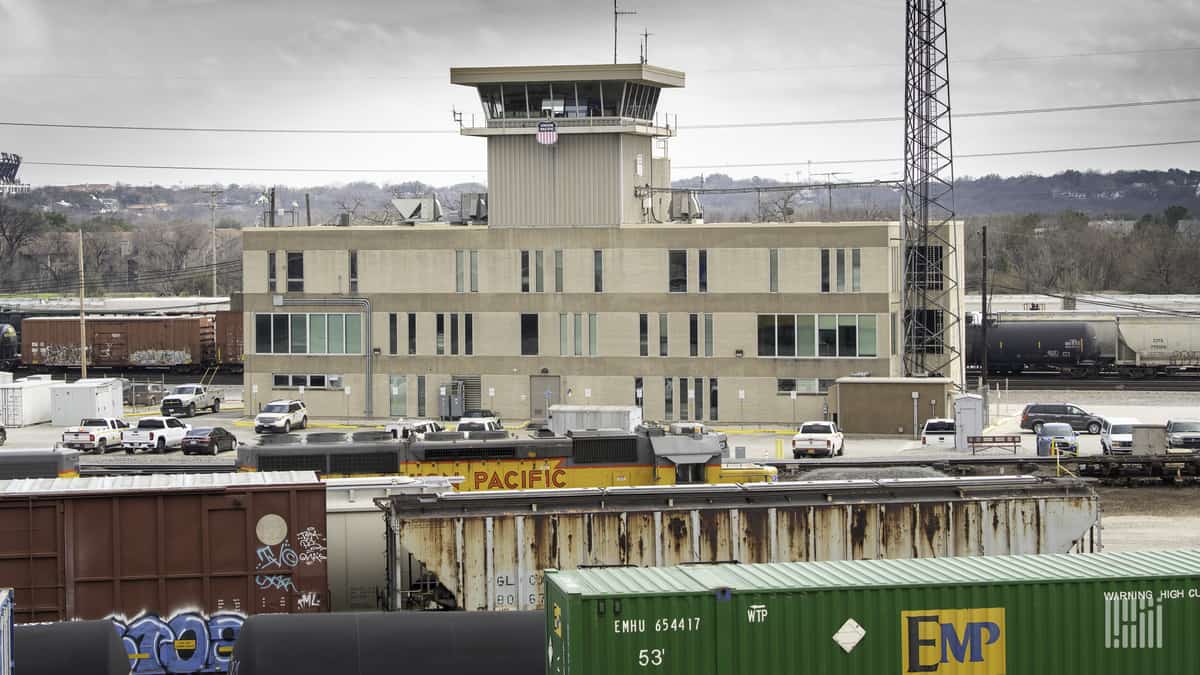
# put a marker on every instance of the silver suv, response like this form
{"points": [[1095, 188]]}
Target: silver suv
{"points": [[281, 416]]}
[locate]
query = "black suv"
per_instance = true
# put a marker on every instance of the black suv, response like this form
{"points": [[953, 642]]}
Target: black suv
{"points": [[1037, 414]]}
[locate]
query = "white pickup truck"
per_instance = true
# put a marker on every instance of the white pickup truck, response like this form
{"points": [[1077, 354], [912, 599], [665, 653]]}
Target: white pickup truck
{"points": [[95, 434], [155, 434], [186, 399], [818, 438]]}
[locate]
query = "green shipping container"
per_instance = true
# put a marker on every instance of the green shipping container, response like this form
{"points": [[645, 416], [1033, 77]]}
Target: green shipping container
{"points": [[1085, 614]]}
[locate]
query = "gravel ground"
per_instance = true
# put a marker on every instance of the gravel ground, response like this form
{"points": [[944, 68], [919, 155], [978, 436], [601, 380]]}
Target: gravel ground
{"points": [[1150, 518]]}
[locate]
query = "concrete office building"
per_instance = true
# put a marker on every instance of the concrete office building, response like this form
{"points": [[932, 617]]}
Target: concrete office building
{"points": [[589, 282]]}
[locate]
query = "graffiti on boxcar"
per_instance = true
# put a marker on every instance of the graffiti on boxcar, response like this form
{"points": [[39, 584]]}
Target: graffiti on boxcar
{"points": [[308, 600], [160, 357], [277, 557], [57, 355], [276, 582], [312, 546], [187, 642]]}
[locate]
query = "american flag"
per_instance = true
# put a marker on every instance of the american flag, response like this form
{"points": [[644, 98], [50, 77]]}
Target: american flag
{"points": [[547, 133]]}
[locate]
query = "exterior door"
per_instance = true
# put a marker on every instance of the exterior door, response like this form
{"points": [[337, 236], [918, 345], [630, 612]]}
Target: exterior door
{"points": [[398, 395], [544, 391]]}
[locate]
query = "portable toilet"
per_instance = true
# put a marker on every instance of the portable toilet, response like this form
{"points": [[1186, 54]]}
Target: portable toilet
{"points": [[968, 419]]}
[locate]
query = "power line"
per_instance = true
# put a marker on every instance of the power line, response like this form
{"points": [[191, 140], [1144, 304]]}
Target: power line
{"points": [[715, 125]]}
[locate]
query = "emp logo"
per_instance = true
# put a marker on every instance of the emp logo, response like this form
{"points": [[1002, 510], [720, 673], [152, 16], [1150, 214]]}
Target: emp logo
{"points": [[953, 641]]}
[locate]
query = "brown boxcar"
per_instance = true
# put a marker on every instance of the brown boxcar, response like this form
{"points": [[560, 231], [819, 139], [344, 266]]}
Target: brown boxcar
{"points": [[230, 343], [120, 342], [176, 562]]}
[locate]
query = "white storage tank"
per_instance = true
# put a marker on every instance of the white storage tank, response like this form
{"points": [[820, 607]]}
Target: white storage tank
{"points": [[5, 378], [564, 418], [94, 397], [25, 402]]}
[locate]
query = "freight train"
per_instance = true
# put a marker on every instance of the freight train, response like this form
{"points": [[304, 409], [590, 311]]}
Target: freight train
{"points": [[495, 460], [186, 343], [1128, 346]]}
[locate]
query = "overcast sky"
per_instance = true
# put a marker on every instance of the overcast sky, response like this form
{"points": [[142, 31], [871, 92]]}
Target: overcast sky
{"points": [[375, 64]]}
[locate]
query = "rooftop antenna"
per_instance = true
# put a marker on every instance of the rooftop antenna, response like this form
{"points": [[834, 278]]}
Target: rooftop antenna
{"points": [[617, 14], [646, 46]]}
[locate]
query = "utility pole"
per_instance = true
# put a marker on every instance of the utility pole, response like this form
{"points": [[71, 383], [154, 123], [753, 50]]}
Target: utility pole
{"points": [[307, 210], [617, 14], [984, 295], [82, 320], [646, 46], [212, 212], [271, 216]]}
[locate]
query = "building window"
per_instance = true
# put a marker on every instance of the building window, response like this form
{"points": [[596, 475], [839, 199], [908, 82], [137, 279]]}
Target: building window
{"points": [[698, 391], [643, 335], [893, 333], [412, 333], [593, 329], [468, 334], [474, 271], [662, 334], [295, 381], [598, 270], [578, 335], [524, 271], [564, 335], [866, 335], [638, 392], [440, 334], [824, 270], [420, 395], [693, 335], [712, 399], [454, 334], [529, 335], [683, 398], [308, 333], [295, 271], [928, 336], [708, 334], [460, 271], [774, 270], [353, 271], [806, 335], [393, 334], [766, 335], [271, 272], [703, 271], [847, 335], [668, 398], [677, 271], [841, 270], [537, 277], [925, 267], [558, 271], [856, 269], [785, 341], [827, 335]]}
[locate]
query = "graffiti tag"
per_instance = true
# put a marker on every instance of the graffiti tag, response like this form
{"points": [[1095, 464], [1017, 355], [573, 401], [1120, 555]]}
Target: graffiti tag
{"points": [[185, 643], [308, 600], [281, 557], [276, 582], [312, 546]]}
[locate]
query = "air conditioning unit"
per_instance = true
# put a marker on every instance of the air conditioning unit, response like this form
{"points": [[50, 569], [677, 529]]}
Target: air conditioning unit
{"points": [[343, 220], [418, 209], [473, 208], [685, 208]]}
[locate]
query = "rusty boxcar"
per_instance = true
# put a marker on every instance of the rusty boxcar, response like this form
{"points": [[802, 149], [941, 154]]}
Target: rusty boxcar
{"points": [[230, 340], [487, 550], [177, 342], [176, 562]]}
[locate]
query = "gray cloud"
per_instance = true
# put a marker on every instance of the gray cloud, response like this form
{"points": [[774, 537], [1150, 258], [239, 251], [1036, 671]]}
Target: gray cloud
{"points": [[309, 63]]}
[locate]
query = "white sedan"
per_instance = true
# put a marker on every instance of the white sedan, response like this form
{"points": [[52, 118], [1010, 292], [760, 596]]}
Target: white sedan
{"points": [[818, 439]]}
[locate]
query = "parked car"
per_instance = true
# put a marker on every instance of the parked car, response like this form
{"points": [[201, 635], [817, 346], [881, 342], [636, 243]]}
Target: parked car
{"points": [[484, 416], [156, 434], [188, 398], [281, 416], [1116, 438], [403, 429], [1183, 435], [3, 435], [938, 433], [209, 441], [479, 425], [1037, 414], [817, 439], [1057, 438], [95, 434]]}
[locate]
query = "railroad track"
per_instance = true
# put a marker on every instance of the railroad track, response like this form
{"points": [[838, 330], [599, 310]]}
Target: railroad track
{"points": [[1062, 383]]}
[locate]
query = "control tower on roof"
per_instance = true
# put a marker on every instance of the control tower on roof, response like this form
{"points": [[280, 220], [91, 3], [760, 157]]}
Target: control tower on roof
{"points": [[573, 145]]}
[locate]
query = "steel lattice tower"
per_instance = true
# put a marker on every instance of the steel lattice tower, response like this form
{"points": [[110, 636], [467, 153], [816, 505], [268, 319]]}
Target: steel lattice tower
{"points": [[931, 322]]}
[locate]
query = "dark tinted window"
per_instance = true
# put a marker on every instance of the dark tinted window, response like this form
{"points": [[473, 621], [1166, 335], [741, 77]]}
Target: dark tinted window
{"points": [[202, 431], [939, 427], [766, 335], [529, 334], [151, 424], [1177, 427], [677, 270], [93, 422]]}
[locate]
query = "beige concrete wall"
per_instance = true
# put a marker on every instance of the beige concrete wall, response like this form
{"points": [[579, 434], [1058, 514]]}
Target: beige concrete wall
{"points": [[254, 271], [635, 270], [576, 181]]}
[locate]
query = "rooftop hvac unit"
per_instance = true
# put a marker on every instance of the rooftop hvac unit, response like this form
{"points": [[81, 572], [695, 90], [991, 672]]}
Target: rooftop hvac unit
{"points": [[418, 209], [474, 207], [685, 207], [343, 220]]}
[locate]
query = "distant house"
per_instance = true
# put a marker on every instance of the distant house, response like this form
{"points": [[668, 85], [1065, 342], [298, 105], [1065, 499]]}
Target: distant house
{"points": [[1113, 225]]}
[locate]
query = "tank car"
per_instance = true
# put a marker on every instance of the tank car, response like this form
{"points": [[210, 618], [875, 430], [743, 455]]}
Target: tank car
{"points": [[1014, 346]]}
